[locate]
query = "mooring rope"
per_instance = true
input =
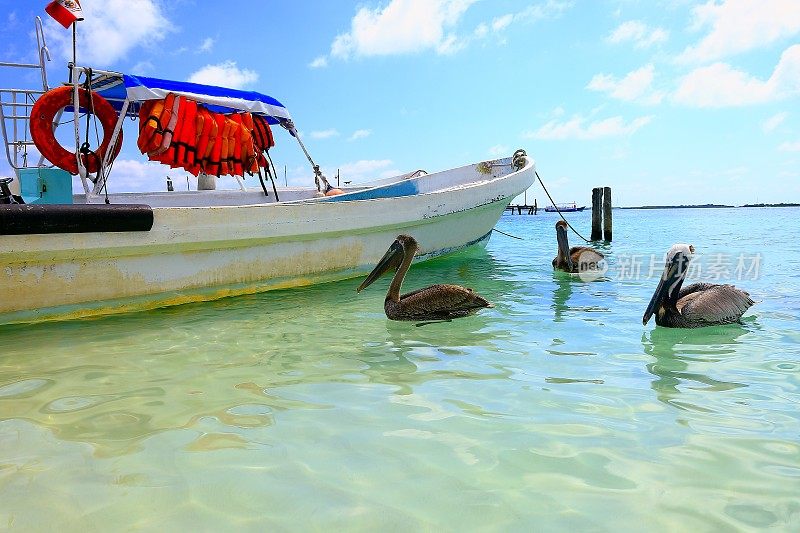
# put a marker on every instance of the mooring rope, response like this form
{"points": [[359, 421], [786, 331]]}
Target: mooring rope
{"points": [[507, 234], [557, 209]]}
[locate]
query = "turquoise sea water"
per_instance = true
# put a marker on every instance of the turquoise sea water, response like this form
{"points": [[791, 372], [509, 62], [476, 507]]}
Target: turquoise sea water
{"points": [[308, 410]]}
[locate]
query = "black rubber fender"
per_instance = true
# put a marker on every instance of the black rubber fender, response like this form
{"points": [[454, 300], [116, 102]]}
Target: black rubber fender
{"points": [[29, 219]]}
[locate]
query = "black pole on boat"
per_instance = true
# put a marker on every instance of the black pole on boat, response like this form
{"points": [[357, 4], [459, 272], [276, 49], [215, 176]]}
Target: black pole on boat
{"points": [[272, 176], [261, 181]]}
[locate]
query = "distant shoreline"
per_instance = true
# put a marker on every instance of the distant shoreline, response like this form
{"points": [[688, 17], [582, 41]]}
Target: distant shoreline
{"points": [[697, 206], [708, 206]]}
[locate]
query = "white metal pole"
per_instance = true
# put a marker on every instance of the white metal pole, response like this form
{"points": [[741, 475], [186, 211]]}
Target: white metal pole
{"points": [[74, 76]]}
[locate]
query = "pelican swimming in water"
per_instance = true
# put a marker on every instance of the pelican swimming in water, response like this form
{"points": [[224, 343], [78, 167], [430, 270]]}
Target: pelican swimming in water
{"points": [[437, 302], [699, 304], [576, 259]]}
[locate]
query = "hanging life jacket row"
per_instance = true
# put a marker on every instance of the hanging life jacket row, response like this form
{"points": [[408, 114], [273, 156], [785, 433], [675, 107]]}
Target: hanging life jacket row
{"points": [[179, 132]]}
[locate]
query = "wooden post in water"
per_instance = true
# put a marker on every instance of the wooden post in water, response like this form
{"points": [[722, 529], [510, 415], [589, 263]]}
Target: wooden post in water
{"points": [[597, 200], [607, 213], [535, 207]]}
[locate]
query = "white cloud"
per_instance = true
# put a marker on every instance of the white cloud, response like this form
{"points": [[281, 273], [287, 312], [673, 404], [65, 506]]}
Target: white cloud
{"points": [[134, 175], [360, 134], [401, 27], [500, 23], [636, 86], [225, 74], [367, 169], [413, 26], [720, 85], [319, 62], [499, 150], [450, 45], [142, 67], [207, 45], [636, 31], [790, 147], [774, 121], [533, 13], [544, 10], [575, 128], [111, 29], [324, 134], [741, 25]]}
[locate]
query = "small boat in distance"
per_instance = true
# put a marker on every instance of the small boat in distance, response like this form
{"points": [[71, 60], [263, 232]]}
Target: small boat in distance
{"points": [[564, 208]]}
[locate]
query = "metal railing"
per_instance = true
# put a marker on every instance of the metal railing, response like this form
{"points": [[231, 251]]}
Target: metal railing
{"points": [[16, 105]]}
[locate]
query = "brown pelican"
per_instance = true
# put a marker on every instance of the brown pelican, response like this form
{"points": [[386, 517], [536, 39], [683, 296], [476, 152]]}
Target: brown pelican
{"points": [[699, 304], [437, 302], [576, 259]]}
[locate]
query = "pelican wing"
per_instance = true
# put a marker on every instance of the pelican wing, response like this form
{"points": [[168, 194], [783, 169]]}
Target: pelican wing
{"points": [[695, 287], [444, 301], [713, 304]]}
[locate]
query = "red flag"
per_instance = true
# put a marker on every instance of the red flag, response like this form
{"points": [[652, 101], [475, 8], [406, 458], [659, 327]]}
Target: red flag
{"points": [[65, 11]]}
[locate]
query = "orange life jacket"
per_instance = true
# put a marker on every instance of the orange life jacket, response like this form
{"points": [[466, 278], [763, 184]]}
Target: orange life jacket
{"points": [[249, 155], [169, 119], [178, 132], [262, 139], [186, 135], [151, 126], [214, 166], [206, 130], [167, 155], [262, 133]]}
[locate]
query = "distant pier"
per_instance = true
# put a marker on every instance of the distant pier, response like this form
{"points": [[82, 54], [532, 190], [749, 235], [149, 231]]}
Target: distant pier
{"points": [[520, 209], [524, 208]]}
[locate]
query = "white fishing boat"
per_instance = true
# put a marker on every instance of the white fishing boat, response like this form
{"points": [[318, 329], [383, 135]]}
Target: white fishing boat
{"points": [[65, 255]]}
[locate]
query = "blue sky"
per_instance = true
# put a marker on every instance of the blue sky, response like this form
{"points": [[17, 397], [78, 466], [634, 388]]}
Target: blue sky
{"points": [[666, 101]]}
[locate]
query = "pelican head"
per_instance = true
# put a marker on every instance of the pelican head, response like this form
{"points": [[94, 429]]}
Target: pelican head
{"points": [[675, 269], [391, 260], [563, 243]]}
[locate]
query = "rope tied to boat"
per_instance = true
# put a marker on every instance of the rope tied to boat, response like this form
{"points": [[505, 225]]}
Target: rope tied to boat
{"points": [[557, 209]]}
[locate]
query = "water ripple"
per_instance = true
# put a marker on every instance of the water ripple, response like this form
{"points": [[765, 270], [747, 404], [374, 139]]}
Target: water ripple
{"points": [[307, 409]]}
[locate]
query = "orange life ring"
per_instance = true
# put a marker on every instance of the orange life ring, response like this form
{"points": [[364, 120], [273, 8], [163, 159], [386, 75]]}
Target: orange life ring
{"points": [[44, 112]]}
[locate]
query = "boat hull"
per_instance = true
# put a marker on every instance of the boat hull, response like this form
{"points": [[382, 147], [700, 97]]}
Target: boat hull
{"points": [[204, 253]]}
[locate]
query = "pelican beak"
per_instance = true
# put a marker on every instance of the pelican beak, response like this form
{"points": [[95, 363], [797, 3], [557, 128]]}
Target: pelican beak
{"points": [[674, 271], [390, 260], [563, 245]]}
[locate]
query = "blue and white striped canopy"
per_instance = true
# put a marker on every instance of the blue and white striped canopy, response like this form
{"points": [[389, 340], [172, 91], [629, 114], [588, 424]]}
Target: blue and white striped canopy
{"points": [[117, 88]]}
